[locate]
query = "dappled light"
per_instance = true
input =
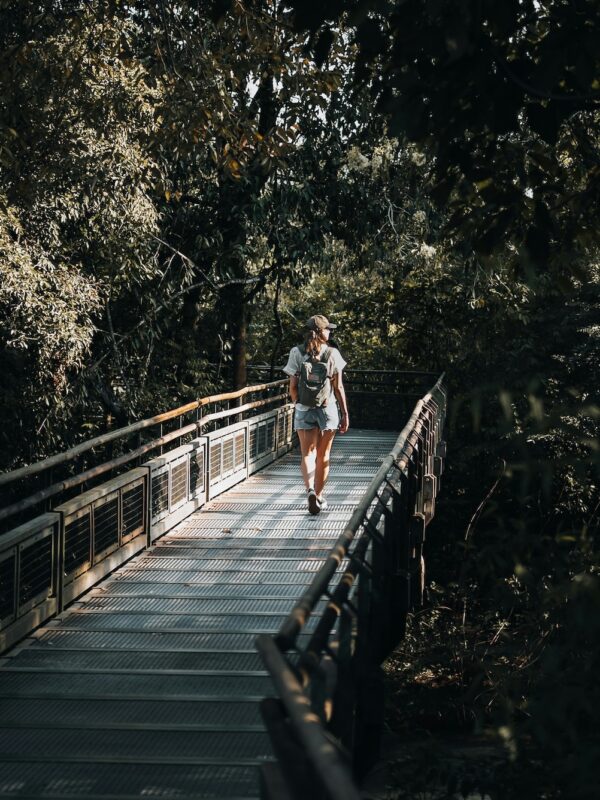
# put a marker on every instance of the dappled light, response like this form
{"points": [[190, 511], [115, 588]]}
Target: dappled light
{"points": [[184, 185]]}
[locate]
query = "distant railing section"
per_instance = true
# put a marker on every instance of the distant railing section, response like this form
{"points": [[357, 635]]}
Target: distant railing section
{"points": [[377, 399], [326, 722], [86, 531]]}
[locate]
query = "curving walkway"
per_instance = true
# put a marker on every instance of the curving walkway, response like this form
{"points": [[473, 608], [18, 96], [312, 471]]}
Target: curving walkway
{"points": [[149, 686]]}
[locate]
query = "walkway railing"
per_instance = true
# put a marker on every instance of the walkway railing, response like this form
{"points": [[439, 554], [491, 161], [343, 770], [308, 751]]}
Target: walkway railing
{"points": [[96, 508], [377, 398], [326, 722]]}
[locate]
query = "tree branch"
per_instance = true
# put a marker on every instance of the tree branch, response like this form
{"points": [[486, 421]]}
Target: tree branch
{"points": [[588, 101]]}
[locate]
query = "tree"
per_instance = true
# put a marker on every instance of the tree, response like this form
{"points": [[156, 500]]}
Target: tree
{"points": [[239, 108], [505, 96], [76, 217]]}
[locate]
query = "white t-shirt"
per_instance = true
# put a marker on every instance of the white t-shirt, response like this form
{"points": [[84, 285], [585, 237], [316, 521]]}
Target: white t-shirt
{"points": [[294, 364]]}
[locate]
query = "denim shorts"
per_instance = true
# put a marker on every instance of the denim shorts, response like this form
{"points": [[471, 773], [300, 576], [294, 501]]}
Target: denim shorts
{"points": [[325, 418]]}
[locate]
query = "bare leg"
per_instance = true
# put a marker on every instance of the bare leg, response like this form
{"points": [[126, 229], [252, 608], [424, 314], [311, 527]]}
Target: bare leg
{"points": [[322, 466], [308, 449]]}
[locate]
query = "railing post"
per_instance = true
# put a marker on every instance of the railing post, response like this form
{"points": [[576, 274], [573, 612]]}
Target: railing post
{"points": [[369, 702], [370, 718], [342, 723], [379, 583], [296, 781], [399, 577], [60, 566], [417, 567], [48, 478], [238, 401]]}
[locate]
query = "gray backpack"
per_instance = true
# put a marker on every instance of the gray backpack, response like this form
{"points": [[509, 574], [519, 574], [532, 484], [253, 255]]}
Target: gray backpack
{"points": [[314, 381]]}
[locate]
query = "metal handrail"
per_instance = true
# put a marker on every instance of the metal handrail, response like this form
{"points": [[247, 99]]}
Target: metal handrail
{"points": [[23, 473], [106, 438], [399, 496], [351, 370], [321, 751], [299, 615], [353, 374]]}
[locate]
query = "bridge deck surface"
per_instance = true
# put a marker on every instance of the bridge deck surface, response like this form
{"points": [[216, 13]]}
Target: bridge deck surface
{"points": [[149, 685]]}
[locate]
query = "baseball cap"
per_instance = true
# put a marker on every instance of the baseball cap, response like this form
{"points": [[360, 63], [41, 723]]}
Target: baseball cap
{"points": [[319, 323]]}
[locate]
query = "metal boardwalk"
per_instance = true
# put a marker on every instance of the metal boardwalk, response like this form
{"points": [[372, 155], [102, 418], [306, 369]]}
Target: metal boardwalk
{"points": [[149, 686]]}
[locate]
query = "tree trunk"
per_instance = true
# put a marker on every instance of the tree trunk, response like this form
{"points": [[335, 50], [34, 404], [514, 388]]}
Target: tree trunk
{"points": [[236, 316], [236, 203]]}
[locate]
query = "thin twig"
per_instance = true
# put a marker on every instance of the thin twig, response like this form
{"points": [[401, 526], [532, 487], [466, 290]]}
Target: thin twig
{"points": [[112, 333], [589, 101], [168, 38], [479, 509], [216, 286]]}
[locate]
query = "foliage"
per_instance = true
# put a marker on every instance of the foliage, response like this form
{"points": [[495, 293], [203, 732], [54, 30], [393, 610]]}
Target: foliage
{"points": [[525, 445], [182, 189], [76, 217], [236, 203], [504, 95]]}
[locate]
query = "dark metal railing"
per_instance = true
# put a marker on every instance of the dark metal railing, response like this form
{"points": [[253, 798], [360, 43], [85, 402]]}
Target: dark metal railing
{"points": [[377, 399], [326, 722]]}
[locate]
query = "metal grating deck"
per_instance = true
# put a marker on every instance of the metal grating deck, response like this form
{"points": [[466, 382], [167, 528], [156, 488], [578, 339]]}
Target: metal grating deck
{"points": [[149, 686]]}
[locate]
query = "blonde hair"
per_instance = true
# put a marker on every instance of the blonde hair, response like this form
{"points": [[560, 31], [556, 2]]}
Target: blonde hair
{"points": [[313, 341]]}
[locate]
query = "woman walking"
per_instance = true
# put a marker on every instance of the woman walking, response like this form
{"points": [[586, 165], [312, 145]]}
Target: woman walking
{"points": [[315, 371]]}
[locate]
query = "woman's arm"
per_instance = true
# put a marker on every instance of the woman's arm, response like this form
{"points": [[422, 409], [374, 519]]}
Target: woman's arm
{"points": [[340, 396], [294, 388]]}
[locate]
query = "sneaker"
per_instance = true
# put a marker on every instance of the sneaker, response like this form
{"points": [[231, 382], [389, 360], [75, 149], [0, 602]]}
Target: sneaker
{"points": [[322, 503], [313, 503]]}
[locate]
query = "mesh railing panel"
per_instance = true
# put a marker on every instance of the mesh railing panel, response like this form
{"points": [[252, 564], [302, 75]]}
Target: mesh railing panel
{"points": [[7, 586], [179, 483], [106, 525], [197, 471], [77, 542], [227, 456], [36, 570], [240, 450], [262, 439], [270, 435], [133, 510], [215, 461], [160, 493]]}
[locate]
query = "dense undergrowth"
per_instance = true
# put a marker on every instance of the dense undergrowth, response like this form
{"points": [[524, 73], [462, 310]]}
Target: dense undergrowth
{"points": [[505, 650]]}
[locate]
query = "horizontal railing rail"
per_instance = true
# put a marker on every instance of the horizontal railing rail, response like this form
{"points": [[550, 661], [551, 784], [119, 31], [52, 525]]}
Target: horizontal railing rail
{"points": [[326, 721], [275, 392], [376, 398], [402, 379]]}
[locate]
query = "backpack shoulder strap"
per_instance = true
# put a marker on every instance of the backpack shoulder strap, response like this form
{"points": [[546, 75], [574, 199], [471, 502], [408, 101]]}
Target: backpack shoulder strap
{"points": [[325, 354]]}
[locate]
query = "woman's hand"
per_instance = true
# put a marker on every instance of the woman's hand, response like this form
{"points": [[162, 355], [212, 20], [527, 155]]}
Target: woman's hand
{"points": [[340, 396]]}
